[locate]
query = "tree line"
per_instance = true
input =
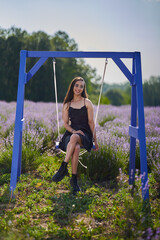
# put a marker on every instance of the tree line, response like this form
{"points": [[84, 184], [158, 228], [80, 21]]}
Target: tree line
{"points": [[41, 86], [120, 94]]}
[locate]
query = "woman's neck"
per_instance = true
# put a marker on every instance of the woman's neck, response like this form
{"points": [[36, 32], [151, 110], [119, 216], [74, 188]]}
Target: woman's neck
{"points": [[77, 99]]}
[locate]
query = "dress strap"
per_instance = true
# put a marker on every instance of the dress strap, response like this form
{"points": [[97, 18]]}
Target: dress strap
{"points": [[84, 102]]}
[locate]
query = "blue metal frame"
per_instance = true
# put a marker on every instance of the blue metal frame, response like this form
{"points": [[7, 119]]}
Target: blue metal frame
{"points": [[135, 132]]}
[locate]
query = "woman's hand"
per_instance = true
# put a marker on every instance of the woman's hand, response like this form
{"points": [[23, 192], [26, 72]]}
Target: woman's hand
{"points": [[79, 131], [96, 146]]}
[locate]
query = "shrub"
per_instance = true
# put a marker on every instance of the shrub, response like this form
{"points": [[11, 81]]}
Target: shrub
{"points": [[30, 159], [156, 171], [36, 140], [101, 165], [37, 136], [5, 178], [5, 161]]}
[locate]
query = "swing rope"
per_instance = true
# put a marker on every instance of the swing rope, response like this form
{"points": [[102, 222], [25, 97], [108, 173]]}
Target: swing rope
{"points": [[57, 113], [55, 88], [100, 94]]}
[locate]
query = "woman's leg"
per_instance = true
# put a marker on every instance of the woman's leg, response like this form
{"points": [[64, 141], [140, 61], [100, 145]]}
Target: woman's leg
{"points": [[75, 157], [74, 140], [73, 180], [63, 171]]}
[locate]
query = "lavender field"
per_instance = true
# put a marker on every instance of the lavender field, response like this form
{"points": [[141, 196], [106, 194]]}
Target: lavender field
{"points": [[112, 125], [107, 208], [40, 130]]}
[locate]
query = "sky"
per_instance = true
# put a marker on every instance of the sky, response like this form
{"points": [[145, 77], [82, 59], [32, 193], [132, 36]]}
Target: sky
{"points": [[95, 25]]}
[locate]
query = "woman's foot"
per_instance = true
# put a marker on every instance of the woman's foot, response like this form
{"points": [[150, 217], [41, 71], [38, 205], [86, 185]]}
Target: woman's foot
{"points": [[62, 172], [74, 184]]}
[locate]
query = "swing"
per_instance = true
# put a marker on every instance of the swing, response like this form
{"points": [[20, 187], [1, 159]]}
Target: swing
{"points": [[136, 130], [57, 113]]}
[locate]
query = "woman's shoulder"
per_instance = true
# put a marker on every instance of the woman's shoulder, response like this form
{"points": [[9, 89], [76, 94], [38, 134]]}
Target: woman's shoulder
{"points": [[66, 106], [88, 102]]}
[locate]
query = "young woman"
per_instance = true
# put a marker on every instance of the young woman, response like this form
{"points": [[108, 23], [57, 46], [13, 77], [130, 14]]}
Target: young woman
{"points": [[78, 120]]}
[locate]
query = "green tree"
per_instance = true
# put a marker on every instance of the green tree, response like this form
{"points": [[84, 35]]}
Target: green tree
{"points": [[118, 94], [11, 42], [40, 87], [9, 64], [151, 90], [115, 97]]}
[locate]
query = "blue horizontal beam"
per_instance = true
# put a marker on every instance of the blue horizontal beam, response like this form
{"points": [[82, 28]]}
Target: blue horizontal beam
{"points": [[134, 132], [66, 54]]}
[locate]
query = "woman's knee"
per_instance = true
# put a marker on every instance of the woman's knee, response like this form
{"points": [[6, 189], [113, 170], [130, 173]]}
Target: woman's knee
{"points": [[74, 138]]}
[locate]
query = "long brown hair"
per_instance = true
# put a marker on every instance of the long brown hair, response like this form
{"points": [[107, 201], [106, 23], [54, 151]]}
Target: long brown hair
{"points": [[69, 95]]}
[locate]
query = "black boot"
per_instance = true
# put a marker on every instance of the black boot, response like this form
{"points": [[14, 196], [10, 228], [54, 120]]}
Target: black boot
{"points": [[74, 184], [62, 172]]}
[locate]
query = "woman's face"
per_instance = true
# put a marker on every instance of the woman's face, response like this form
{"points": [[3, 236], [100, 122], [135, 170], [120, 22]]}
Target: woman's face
{"points": [[78, 88]]}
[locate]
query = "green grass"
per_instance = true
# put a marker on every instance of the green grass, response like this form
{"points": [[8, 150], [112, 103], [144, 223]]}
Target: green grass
{"points": [[107, 119], [109, 209]]}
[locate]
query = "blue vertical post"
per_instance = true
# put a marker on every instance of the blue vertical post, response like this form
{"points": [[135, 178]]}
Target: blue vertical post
{"points": [[17, 144], [134, 124], [141, 124]]}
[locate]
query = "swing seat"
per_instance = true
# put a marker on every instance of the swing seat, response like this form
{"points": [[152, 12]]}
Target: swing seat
{"points": [[57, 146]]}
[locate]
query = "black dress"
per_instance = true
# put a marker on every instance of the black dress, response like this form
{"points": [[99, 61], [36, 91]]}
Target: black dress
{"points": [[79, 121]]}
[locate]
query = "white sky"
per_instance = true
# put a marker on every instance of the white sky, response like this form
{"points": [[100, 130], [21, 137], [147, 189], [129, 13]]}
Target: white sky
{"points": [[95, 25]]}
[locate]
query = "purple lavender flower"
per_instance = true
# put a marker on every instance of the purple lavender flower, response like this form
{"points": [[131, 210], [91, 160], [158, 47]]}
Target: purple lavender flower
{"points": [[114, 132]]}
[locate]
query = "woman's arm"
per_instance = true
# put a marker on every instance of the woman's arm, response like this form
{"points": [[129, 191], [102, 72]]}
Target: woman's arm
{"points": [[65, 117], [91, 121]]}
